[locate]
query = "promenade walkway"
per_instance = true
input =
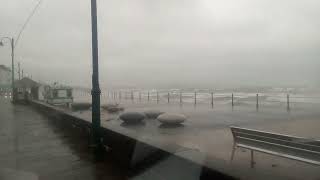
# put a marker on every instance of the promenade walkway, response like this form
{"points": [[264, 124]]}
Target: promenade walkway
{"points": [[32, 148], [35, 147]]}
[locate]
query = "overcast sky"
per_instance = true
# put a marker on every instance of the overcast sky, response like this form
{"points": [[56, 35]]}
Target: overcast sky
{"points": [[169, 43]]}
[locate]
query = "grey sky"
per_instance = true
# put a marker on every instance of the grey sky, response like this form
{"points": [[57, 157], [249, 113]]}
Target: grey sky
{"points": [[148, 43]]}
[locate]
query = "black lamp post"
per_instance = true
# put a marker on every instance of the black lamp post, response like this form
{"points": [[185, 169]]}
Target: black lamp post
{"points": [[12, 63], [95, 92]]}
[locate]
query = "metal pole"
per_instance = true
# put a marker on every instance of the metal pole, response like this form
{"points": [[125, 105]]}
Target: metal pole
{"points": [[12, 69], [232, 99], [132, 95], [212, 99], [157, 97], [288, 103], [180, 97], [195, 97], [168, 97], [148, 96], [139, 95], [19, 70], [95, 92], [257, 103]]}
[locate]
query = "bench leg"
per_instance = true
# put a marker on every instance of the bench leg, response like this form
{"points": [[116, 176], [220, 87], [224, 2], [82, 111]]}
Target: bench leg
{"points": [[252, 160], [233, 151]]}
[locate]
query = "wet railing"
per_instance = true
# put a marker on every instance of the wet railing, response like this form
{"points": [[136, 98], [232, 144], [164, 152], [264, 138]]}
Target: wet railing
{"points": [[203, 97]]}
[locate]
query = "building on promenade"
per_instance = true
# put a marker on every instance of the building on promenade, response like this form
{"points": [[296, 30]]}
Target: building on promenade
{"points": [[26, 89], [58, 94], [5, 81]]}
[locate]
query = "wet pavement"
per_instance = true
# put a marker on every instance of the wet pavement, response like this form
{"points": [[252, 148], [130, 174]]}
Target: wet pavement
{"points": [[33, 148]]}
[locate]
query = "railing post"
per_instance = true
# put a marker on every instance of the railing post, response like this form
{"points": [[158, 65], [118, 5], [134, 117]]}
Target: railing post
{"points": [[257, 103], [139, 95], [232, 100], [168, 97], [212, 99], [195, 98], [132, 95], [157, 97], [148, 95], [288, 103], [180, 97]]}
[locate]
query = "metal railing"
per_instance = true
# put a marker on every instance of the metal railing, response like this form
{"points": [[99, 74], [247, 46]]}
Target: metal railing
{"points": [[200, 97]]}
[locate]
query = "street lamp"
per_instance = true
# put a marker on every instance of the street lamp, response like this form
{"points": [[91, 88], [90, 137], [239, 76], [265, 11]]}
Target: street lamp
{"points": [[12, 62], [95, 92]]}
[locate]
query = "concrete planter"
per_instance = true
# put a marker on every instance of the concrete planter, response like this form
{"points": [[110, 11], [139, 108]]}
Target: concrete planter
{"points": [[170, 118], [132, 117]]}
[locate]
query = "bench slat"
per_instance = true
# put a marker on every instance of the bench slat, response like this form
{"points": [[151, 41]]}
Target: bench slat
{"points": [[281, 148], [296, 144], [293, 147], [310, 161], [274, 135]]}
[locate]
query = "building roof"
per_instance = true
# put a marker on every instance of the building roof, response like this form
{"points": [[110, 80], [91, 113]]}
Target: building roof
{"points": [[26, 83], [5, 68]]}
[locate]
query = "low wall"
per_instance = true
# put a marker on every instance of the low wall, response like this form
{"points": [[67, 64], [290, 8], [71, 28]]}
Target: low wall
{"points": [[129, 152]]}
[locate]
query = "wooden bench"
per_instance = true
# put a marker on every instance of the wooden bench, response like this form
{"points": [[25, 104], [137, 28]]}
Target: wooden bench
{"points": [[291, 147]]}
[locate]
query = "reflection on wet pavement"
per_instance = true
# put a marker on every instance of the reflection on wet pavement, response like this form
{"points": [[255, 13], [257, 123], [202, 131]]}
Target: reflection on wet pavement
{"points": [[33, 147]]}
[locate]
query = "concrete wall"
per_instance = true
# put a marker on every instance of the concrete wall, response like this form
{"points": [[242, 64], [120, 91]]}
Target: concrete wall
{"points": [[131, 153]]}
